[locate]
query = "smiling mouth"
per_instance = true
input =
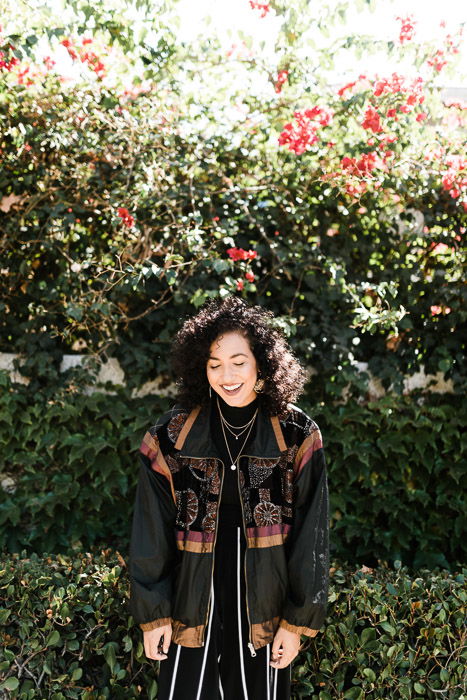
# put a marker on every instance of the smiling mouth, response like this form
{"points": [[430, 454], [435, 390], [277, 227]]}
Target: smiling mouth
{"points": [[232, 391]]}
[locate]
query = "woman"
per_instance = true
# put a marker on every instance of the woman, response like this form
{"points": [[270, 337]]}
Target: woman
{"points": [[229, 554]]}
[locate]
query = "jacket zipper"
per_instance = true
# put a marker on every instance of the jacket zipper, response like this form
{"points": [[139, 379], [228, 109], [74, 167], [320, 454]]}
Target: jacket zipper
{"points": [[250, 643], [214, 545]]}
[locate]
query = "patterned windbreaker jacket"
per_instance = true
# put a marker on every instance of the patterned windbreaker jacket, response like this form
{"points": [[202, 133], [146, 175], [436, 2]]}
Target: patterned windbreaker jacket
{"points": [[284, 495]]}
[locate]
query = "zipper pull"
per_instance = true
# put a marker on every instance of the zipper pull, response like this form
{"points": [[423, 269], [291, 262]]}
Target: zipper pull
{"points": [[252, 649]]}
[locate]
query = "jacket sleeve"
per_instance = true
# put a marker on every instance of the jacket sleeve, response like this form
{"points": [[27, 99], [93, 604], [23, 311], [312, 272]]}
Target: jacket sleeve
{"points": [[153, 553], [308, 544]]}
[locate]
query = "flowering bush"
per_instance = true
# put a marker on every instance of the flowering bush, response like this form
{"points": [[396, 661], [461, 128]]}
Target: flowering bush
{"points": [[127, 192]]}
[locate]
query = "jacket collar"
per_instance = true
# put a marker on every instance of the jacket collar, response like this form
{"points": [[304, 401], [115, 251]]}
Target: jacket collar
{"points": [[195, 438]]}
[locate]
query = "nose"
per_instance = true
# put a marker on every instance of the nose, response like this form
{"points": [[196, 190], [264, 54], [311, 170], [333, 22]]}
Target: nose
{"points": [[228, 377]]}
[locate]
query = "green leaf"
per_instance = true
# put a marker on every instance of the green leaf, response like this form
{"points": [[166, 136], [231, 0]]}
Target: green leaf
{"points": [[10, 684], [387, 627], [353, 694], [53, 639], [370, 674]]}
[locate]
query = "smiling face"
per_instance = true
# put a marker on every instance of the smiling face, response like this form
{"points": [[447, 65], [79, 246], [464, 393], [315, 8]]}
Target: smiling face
{"points": [[231, 363]]}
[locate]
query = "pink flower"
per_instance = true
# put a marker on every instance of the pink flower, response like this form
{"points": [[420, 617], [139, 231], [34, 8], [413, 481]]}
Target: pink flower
{"points": [[239, 285], [440, 248]]}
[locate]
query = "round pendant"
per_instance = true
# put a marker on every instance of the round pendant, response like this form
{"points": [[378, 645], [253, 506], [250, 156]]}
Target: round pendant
{"points": [[232, 466]]}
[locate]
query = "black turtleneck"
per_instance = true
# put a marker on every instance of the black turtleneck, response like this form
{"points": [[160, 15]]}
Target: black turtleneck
{"points": [[235, 415]]}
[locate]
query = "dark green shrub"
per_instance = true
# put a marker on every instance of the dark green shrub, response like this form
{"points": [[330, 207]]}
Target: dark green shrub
{"points": [[68, 466], [67, 633]]}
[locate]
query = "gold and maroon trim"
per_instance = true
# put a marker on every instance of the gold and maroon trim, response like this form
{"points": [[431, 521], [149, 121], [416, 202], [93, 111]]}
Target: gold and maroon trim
{"points": [[187, 427], [278, 433], [267, 536], [194, 414], [150, 447], [298, 630], [147, 626], [310, 444], [194, 541]]}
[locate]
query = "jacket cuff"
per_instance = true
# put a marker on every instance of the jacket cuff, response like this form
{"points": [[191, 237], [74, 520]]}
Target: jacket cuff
{"points": [[148, 626], [298, 630]]}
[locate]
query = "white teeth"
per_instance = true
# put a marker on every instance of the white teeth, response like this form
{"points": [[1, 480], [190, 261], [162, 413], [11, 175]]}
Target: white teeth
{"points": [[231, 388]]}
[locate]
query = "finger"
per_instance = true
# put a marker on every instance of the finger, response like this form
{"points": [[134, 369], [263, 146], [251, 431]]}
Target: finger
{"points": [[276, 649], [152, 651], [167, 640], [156, 654]]}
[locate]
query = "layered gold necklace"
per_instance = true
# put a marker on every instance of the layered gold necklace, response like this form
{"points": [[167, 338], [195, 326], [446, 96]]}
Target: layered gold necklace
{"points": [[225, 424]]}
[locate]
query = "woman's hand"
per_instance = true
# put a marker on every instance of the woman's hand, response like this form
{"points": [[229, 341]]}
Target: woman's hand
{"points": [[154, 647], [284, 648]]}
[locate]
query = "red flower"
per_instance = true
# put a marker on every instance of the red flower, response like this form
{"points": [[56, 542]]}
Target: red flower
{"points": [[241, 254], [372, 120], [249, 276], [407, 29], [263, 6], [239, 285], [281, 78], [126, 217], [69, 47], [346, 87], [438, 61], [365, 165], [303, 133]]}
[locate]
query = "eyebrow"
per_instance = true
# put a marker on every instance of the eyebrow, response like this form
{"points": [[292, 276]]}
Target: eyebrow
{"points": [[211, 357]]}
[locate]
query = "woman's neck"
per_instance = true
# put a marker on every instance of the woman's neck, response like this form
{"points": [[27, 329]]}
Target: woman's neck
{"points": [[236, 413]]}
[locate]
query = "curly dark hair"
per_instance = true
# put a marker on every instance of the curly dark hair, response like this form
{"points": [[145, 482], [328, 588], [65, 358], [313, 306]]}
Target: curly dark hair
{"points": [[284, 376]]}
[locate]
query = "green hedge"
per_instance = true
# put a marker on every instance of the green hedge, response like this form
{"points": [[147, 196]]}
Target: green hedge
{"points": [[68, 467], [67, 633]]}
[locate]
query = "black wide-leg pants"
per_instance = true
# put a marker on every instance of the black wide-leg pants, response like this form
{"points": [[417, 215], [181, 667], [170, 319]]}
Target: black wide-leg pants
{"points": [[224, 668]]}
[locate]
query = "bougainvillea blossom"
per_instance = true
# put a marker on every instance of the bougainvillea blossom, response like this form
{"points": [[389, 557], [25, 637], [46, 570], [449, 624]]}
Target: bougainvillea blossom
{"points": [[241, 254], [280, 80], [89, 57], [126, 217], [8, 63], [407, 30], [299, 136], [372, 120], [263, 6], [454, 179], [364, 165]]}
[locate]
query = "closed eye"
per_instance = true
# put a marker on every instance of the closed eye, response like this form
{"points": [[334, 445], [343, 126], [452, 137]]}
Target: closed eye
{"points": [[237, 364]]}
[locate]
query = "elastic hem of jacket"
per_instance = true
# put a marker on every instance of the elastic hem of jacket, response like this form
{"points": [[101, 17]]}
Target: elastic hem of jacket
{"points": [[148, 626], [298, 630]]}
